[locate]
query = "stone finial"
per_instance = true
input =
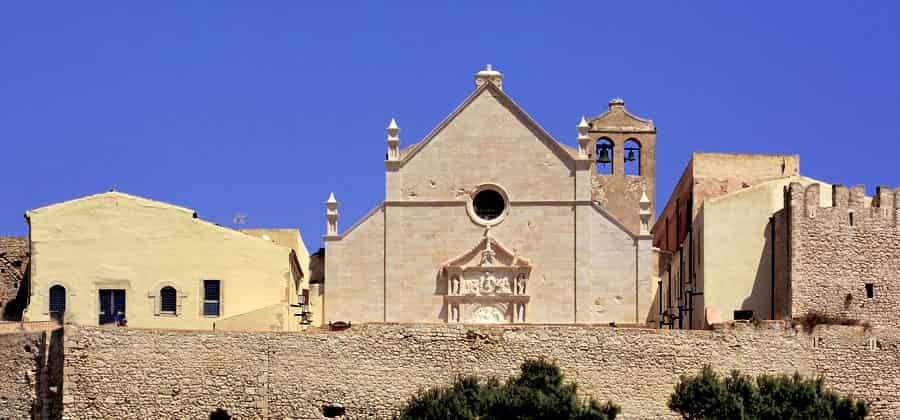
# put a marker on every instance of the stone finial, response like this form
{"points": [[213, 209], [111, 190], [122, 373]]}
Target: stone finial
{"points": [[331, 213], [616, 103], [646, 213], [584, 141], [583, 126], [489, 75], [393, 141]]}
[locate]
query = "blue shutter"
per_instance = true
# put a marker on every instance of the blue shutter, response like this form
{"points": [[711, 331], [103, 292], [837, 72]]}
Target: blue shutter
{"points": [[211, 297], [57, 302], [168, 299]]}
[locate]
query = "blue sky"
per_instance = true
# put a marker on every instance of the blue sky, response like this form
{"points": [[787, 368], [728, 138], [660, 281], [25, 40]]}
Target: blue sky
{"points": [[263, 108]]}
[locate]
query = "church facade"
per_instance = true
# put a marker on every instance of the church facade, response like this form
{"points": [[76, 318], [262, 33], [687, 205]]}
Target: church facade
{"points": [[489, 219]]}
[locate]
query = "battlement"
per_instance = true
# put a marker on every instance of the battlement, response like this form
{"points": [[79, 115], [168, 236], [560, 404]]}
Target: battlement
{"points": [[843, 256], [806, 201]]}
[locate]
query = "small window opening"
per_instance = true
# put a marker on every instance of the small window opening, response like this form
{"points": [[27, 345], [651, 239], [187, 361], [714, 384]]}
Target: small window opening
{"points": [[168, 300], [851, 218], [870, 291], [489, 204], [743, 315], [632, 157], [604, 157], [211, 297], [219, 414], [333, 410]]}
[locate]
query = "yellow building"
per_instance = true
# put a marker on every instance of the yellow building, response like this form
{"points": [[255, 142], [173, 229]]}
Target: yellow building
{"points": [[116, 258], [721, 240]]}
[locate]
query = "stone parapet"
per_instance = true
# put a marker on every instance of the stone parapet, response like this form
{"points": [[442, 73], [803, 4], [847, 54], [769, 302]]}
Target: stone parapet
{"points": [[371, 369]]}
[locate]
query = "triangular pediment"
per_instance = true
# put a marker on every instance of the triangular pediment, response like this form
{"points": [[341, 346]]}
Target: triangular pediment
{"points": [[565, 154], [488, 252]]}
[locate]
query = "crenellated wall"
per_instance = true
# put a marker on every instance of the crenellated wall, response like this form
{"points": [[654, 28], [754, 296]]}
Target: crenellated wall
{"points": [[836, 251]]}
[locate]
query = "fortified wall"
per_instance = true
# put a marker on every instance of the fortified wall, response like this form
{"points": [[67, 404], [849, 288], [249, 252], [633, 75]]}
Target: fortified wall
{"points": [[371, 369], [30, 373], [843, 258], [13, 264]]}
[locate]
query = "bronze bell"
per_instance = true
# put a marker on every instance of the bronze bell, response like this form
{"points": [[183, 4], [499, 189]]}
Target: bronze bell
{"points": [[604, 156], [630, 157]]}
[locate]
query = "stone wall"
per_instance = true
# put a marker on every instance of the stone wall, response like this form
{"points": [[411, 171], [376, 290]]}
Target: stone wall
{"points": [[30, 374], [836, 251], [13, 263], [372, 369]]}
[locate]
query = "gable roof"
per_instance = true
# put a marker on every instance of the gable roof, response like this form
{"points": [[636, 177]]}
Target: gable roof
{"points": [[112, 194], [566, 154], [155, 204]]}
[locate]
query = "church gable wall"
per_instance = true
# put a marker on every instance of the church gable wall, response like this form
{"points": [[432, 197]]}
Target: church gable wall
{"points": [[421, 238], [354, 289], [486, 142], [607, 266]]}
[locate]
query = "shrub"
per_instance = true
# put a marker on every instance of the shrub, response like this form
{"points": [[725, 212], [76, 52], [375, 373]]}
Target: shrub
{"points": [[539, 392], [813, 319], [739, 396]]}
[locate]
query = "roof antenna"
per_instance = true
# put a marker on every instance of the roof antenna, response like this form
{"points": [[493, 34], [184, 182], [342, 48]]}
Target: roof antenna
{"points": [[239, 220]]}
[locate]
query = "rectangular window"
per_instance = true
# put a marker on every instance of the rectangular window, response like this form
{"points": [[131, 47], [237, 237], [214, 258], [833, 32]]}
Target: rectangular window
{"points": [[743, 315], [112, 306], [870, 291], [211, 297]]}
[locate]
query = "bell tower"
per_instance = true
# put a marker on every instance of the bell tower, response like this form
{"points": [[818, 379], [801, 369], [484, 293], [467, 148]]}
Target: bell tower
{"points": [[622, 149]]}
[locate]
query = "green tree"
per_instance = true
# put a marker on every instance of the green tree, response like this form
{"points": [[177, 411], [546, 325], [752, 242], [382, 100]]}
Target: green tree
{"points": [[738, 396], [538, 392]]}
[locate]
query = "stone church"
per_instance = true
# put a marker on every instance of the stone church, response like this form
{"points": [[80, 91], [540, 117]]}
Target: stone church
{"points": [[489, 219]]}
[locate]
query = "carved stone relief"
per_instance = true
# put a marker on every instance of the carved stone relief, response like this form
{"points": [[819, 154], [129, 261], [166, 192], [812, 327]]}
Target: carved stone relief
{"points": [[487, 315], [487, 284]]}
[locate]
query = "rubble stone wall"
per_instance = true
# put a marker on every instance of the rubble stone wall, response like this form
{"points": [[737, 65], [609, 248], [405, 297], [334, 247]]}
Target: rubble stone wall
{"points": [[371, 369], [20, 362], [836, 251], [13, 263]]}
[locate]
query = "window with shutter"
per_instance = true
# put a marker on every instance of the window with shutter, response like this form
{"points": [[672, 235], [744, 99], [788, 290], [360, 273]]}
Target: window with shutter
{"points": [[168, 300], [112, 306], [57, 302], [211, 297]]}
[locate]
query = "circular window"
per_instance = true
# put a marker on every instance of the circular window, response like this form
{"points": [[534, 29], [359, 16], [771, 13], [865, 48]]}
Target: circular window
{"points": [[488, 205]]}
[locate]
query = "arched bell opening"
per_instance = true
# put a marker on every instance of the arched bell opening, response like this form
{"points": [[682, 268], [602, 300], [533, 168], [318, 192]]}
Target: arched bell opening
{"points": [[604, 156], [632, 152]]}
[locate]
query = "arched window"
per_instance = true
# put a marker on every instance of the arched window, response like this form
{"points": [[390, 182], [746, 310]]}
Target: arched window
{"points": [[57, 302], [604, 157], [632, 157], [168, 300]]}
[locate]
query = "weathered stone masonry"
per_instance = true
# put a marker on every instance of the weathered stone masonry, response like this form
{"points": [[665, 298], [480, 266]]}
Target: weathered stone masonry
{"points": [[30, 374], [836, 251], [13, 264], [119, 373]]}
